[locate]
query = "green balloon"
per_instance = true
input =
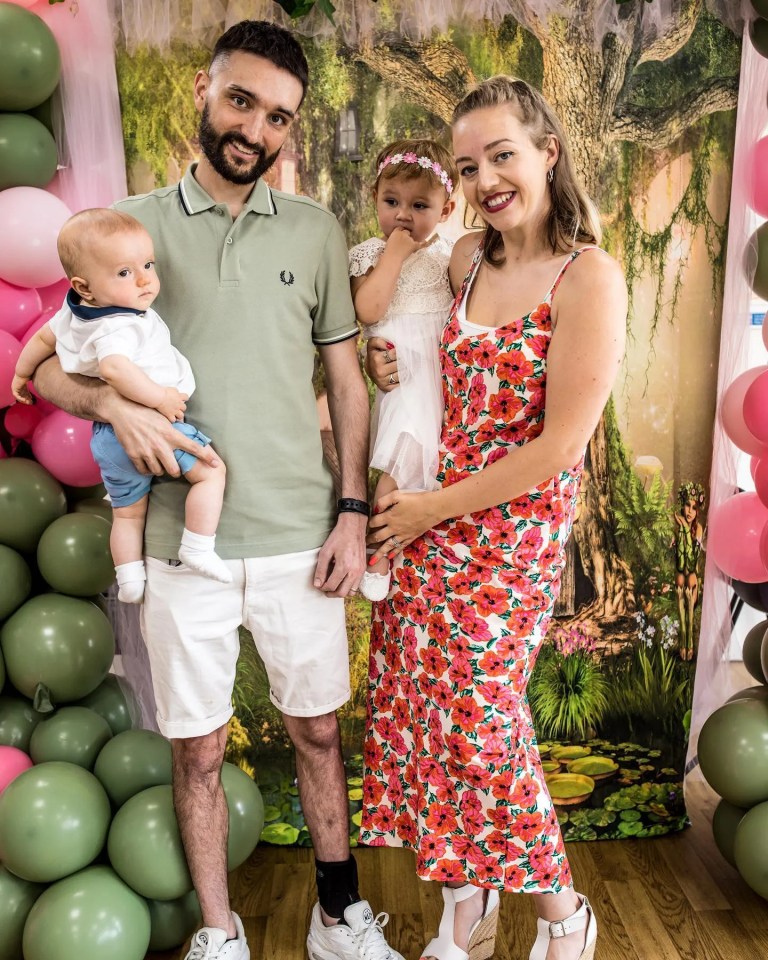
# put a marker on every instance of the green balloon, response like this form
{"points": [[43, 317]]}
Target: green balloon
{"points": [[758, 34], [18, 718], [30, 64], [53, 821], [145, 846], [95, 506], [2, 671], [758, 692], [74, 557], [59, 646], [132, 762], [725, 819], [750, 849], [15, 581], [43, 112], [246, 814], [30, 498], [92, 915], [173, 921], [110, 701], [72, 735], [750, 651], [28, 155], [75, 494], [16, 899], [733, 752]]}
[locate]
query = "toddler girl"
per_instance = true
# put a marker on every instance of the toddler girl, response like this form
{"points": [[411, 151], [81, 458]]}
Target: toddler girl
{"points": [[401, 292]]}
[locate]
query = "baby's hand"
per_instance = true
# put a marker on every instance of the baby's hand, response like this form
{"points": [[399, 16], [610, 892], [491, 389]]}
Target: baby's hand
{"points": [[20, 390], [174, 404], [402, 244]]}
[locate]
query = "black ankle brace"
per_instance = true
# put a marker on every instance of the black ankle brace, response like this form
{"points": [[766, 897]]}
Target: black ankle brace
{"points": [[336, 885]]}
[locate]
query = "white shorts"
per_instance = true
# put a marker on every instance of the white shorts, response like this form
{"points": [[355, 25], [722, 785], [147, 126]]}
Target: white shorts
{"points": [[190, 626]]}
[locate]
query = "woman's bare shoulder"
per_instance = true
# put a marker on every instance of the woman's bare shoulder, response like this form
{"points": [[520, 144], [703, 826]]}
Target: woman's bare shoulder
{"points": [[461, 257]]}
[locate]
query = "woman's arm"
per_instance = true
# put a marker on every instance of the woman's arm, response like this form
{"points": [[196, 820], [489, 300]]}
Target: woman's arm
{"points": [[583, 361]]}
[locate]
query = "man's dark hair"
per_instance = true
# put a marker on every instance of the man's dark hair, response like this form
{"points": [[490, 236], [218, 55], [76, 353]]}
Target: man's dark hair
{"points": [[267, 40]]}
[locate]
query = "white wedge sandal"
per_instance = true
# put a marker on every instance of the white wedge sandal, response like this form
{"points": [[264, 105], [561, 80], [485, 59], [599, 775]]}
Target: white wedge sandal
{"points": [[583, 918], [482, 936]]}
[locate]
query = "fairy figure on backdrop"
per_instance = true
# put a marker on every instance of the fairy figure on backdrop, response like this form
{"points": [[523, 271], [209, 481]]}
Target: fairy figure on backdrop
{"points": [[688, 543]]}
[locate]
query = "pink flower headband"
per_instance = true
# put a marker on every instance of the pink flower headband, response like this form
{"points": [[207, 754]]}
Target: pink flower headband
{"points": [[423, 162]]}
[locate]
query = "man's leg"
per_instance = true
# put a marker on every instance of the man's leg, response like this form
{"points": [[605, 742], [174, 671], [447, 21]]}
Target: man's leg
{"points": [[201, 810]]}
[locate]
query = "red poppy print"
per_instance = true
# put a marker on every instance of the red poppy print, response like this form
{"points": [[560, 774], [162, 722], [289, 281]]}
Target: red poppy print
{"points": [[451, 766]]}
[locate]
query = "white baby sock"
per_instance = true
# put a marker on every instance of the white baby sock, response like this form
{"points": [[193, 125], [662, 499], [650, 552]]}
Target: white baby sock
{"points": [[130, 581], [375, 586], [197, 552]]}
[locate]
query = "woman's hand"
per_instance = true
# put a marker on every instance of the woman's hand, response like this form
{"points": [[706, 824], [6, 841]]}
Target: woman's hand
{"points": [[381, 364], [400, 518]]}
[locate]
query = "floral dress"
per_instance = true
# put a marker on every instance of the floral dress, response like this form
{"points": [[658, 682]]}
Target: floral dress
{"points": [[452, 768]]}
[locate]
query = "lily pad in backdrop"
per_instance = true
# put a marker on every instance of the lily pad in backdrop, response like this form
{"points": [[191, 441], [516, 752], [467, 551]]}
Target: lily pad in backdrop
{"points": [[282, 834], [595, 766], [568, 788]]}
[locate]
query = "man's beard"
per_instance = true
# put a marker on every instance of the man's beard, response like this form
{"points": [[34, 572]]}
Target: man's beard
{"points": [[212, 144]]}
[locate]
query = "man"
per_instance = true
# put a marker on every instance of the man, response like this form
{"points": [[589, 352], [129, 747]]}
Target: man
{"points": [[251, 280]]}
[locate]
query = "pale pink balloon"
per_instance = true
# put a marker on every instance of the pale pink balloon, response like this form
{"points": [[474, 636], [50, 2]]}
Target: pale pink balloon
{"points": [[732, 412], [21, 420], [758, 177], [62, 444], [756, 408], [12, 762], [735, 528], [44, 317], [19, 307], [10, 348], [31, 220], [54, 295]]}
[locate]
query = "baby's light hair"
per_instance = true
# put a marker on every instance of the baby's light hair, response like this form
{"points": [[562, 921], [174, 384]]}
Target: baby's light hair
{"points": [[413, 169], [86, 230]]}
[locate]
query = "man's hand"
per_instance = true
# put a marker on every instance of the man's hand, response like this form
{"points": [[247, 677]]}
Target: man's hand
{"points": [[173, 405], [341, 562], [381, 363], [149, 439]]}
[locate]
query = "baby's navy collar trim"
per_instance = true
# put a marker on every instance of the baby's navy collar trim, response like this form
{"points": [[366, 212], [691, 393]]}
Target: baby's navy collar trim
{"points": [[84, 312]]}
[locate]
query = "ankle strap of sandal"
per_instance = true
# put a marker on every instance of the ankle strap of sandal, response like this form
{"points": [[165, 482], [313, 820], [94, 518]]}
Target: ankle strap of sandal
{"points": [[577, 921]]}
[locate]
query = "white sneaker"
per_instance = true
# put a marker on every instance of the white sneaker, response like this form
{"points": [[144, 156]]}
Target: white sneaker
{"points": [[360, 938], [211, 943]]}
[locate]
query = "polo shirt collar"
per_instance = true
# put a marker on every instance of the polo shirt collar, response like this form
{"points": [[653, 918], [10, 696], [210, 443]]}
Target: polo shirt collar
{"points": [[83, 312], [195, 200]]}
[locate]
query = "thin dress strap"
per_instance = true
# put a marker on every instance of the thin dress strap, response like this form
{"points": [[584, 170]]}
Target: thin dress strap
{"points": [[571, 257], [461, 298]]}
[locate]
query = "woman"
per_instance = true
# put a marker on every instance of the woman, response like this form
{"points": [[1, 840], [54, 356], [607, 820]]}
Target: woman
{"points": [[452, 767]]}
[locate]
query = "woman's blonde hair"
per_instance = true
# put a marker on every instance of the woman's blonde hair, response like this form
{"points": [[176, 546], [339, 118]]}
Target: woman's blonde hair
{"points": [[573, 217]]}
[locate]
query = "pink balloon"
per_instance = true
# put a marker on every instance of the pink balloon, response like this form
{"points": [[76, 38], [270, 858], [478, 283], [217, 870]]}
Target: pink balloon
{"points": [[753, 462], [19, 307], [62, 444], [21, 420], [12, 762], [732, 412], [54, 295], [10, 348], [23, 3], [758, 177], [756, 408], [44, 317], [31, 220], [760, 476], [733, 542]]}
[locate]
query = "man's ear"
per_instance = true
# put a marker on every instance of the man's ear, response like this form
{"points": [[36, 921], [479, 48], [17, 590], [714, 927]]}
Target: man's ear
{"points": [[200, 88], [81, 288]]}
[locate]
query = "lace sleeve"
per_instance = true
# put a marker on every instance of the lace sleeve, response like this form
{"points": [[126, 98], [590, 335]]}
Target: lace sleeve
{"points": [[365, 256]]}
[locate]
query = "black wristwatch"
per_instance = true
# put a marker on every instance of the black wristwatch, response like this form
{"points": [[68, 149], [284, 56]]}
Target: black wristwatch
{"points": [[350, 505]]}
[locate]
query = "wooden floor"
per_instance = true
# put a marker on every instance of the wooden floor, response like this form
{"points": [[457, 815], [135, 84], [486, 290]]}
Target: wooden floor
{"points": [[669, 898]]}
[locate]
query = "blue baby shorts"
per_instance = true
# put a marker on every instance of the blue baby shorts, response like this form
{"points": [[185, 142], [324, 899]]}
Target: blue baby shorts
{"points": [[125, 485]]}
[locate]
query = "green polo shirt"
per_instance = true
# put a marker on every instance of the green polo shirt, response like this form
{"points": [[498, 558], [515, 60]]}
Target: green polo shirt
{"points": [[246, 302]]}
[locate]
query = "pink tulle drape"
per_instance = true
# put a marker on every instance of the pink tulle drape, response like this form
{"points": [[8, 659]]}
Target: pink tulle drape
{"points": [[713, 684], [86, 107]]}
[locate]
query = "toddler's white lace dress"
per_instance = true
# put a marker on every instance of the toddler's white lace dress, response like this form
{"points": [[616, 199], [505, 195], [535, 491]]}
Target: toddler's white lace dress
{"points": [[406, 422]]}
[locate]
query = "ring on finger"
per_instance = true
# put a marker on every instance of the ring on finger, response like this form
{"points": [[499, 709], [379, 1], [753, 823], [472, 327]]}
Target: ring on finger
{"points": [[393, 378], [387, 358], [396, 543]]}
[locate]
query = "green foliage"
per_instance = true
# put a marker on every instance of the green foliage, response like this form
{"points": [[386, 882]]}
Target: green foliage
{"points": [[300, 8], [644, 527], [508, 48], [568, 695], [158, 111]]}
